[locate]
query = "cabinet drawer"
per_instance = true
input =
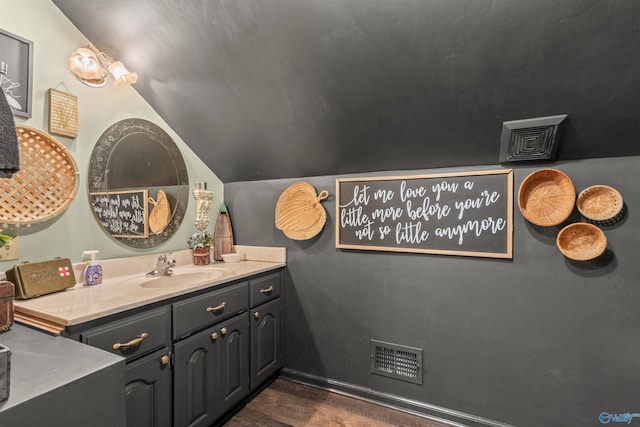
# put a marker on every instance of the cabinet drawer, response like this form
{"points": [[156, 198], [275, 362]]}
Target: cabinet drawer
{"points": [[264, 289], [197, 312], [133, 336]]}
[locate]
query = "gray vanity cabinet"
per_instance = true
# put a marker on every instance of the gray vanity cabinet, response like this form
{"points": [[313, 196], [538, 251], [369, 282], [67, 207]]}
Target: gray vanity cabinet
{"points": [[266, 327], [211, 371], [192, 360], [147, 375], [211, 367]]}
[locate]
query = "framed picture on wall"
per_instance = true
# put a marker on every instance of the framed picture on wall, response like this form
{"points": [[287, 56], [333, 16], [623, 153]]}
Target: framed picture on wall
{"points": [[16, 72]]}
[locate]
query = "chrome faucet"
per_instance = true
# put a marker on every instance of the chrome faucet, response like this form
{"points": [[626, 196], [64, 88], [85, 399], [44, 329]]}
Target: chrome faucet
{"points": [[163, 267]]}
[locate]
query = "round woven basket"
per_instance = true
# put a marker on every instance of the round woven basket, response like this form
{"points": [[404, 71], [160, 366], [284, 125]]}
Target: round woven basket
{"points": [[46, 183], [299, 213], [201, 255], [546, 197], [581, 241], [599, 203]]}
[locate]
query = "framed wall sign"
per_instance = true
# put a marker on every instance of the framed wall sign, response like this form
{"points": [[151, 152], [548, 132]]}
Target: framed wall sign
{"points": [[467, 214], [122, 213], [16, 72], [63, 113]]}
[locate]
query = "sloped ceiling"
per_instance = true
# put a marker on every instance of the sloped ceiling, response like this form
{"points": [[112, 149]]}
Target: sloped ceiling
{"points": [[265, 89]]}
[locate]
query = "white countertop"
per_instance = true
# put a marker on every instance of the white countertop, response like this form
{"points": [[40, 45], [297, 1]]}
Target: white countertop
{"points": [[125, 286]]}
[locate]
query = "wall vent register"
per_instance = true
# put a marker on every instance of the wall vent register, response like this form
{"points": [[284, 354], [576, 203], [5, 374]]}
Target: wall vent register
{"points": [[531, 139], [396, 361]]}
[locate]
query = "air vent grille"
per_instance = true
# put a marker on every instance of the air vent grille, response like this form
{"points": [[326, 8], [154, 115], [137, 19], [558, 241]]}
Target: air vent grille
{"points": [[531, 139], [396, 361]]}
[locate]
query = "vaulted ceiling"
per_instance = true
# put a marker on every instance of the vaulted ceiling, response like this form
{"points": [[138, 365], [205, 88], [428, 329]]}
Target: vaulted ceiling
{"points": [[265, 89]]}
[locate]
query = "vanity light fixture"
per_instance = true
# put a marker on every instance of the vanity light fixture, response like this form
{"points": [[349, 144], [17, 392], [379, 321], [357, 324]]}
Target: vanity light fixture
{"points": [[90, 67]]}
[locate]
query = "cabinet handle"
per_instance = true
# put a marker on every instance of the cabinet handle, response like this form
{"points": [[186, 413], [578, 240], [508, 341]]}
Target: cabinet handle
{"points": [[256, 314], [134, 341], [214, 336], [217, 307], [165, 359], [223, 331], [267, 290]]}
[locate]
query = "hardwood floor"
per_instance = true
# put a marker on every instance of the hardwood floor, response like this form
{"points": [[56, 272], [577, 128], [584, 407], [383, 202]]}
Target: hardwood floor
{"points": [[288, 404]]}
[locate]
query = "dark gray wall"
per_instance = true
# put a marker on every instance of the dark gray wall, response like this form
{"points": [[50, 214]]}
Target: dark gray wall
{"points": [[533, 341], [265, 89]]}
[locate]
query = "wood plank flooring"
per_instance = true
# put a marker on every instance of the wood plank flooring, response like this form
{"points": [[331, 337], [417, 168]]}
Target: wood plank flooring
{"points": [[289, 404]]}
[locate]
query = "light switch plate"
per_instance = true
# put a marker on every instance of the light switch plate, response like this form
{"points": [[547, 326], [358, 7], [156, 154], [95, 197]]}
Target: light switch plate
{"points": [[10, 251]]}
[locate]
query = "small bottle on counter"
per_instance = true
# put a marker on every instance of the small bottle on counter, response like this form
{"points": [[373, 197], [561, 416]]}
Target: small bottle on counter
{"points": [[92, 273]]}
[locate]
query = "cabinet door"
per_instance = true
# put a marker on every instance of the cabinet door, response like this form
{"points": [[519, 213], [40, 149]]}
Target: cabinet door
{"points": [[211, 372], [266, 341], [233, 378], [148, 391], [195, 364]]}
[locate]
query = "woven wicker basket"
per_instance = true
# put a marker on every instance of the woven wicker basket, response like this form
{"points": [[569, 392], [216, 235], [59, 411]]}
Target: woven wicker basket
{"points": [[201, 255], [581, 241], [299, 213], [46, 183], [599, 203], [546, 197]]}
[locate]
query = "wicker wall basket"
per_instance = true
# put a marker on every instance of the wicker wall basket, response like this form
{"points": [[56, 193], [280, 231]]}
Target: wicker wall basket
{"points": [[46, 183], [546, 197], [299, 213], [600, 203], [581, 241]]}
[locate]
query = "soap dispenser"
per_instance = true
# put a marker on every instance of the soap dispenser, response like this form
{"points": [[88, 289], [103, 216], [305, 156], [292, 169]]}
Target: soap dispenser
{"points": [[92, 273]]}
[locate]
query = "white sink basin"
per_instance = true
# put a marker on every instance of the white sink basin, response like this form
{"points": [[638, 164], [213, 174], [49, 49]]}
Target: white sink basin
{"points": [[177, 279]]}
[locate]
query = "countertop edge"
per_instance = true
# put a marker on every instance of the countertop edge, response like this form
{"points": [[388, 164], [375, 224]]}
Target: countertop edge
{"points": [[31, 312]]}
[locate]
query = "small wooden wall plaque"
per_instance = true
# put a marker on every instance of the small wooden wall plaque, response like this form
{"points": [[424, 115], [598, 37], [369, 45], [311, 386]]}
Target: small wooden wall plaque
{"points": [[63, 113]]}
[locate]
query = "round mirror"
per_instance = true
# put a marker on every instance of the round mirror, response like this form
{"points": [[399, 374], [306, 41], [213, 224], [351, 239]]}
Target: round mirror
{"points": [[138, 183]]}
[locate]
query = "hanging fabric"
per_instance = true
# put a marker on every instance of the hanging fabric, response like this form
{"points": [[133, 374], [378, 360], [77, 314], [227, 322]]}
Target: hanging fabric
{"points": [[9, 151]]}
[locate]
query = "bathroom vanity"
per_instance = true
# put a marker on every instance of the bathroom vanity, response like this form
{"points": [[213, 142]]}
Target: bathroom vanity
{"points": [[196, 343]]}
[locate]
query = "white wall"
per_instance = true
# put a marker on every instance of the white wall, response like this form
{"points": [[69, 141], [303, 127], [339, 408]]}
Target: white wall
{"points": [[55, 37]]}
